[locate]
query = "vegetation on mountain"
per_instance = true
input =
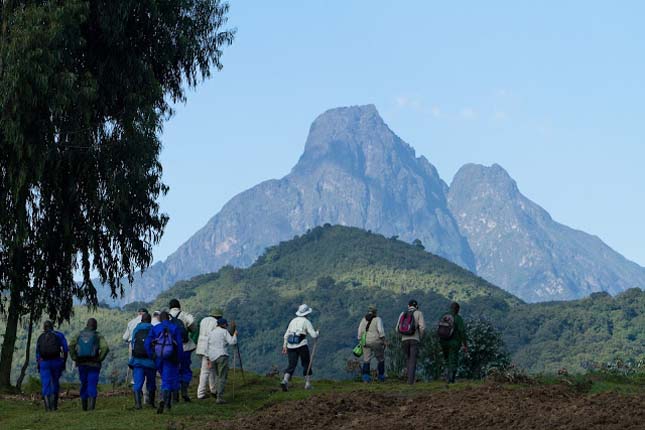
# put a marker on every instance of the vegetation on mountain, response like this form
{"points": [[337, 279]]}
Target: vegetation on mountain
{"points": [[85, 87]]}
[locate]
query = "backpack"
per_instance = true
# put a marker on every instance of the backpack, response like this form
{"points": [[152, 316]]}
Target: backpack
{"points": [[87, 345], [446, 327], [164, 345], [181, 327], [407, 324], [139, 344], [49, 345]]}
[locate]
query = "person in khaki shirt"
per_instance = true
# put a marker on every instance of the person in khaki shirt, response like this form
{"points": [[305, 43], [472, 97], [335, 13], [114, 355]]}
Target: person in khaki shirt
{"points": [[372, 326], [411, 341]]}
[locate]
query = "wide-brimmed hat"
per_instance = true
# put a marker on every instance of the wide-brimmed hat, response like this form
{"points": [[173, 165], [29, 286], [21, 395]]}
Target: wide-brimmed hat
{"points": [[217, 312], [303, 310], [371, 308]]}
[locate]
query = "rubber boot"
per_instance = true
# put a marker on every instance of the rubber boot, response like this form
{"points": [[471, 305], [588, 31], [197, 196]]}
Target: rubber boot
{"points": [[381, 371], [137, 399], [169, 400], [366, 373], [151, 398], [162, 402], [46, 402], [184, 392], [285, 382], [84, 404], [175, 396], [92, 403], [453, 375], [55, 402], [308, 385]]}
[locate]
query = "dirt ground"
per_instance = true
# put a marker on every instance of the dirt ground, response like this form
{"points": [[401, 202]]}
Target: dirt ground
{"points": [[485, 407]]}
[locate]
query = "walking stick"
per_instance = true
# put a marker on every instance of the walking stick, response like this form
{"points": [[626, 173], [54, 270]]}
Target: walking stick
{"points": [[239, 356], [313, 352], [233, 376]]}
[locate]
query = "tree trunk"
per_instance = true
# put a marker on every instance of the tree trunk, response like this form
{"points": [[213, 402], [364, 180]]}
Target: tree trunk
{"points": [[9, 342], [25, 365]]}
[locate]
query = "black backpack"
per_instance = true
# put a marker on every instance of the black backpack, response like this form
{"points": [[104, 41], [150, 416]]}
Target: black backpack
{"points": [[139, 340], [49, 345], [446, 327], [180, 326]]}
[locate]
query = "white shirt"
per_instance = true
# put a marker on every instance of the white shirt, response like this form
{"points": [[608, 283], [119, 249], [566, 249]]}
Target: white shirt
{"points": [[127, 334], [299, 326], [206, 326], [188, 320], [218, 341]]}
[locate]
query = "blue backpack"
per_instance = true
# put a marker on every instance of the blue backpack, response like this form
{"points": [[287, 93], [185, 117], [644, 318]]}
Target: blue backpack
{"points": [[87, 346], [164, 345]]}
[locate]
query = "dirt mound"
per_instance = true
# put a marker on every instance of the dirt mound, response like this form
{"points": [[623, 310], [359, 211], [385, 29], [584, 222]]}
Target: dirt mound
{"points": [[486, 407]]}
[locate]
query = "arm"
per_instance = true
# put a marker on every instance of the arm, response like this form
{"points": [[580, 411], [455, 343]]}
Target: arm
{"points": [[103, 348], [126, 333], [361, 329], [421, 323], [64, 345], [397, 322], [286, 336], [178, 341], [72, 348], [379, 328], [231, 340], [148, 344], [310, 330]]}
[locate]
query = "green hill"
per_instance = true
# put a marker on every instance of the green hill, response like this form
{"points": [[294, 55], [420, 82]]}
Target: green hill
{"points": [[339, 271]]}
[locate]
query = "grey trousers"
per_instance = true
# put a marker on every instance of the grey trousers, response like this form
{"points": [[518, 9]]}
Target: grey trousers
{"points": [[411, 351]]}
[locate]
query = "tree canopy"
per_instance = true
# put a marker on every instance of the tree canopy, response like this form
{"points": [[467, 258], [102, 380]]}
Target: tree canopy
{"points": [[85, 86]]}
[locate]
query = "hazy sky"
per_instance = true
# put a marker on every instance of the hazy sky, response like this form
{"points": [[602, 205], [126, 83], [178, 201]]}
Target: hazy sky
{"points": [[552, 91]]}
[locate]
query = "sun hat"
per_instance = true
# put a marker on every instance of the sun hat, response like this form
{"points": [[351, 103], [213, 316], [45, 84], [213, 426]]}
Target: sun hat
{"points": [[303, 310], [371, 308], [217, 312]]}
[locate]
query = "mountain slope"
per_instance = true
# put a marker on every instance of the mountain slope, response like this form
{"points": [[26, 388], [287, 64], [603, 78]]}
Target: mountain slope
{"points": [[354, 171], [518, 246]]}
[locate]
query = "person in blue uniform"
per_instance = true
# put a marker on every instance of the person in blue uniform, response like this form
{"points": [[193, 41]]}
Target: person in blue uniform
{"points": [[51, 357], [88, 350], [142, 365], [164, 344]]}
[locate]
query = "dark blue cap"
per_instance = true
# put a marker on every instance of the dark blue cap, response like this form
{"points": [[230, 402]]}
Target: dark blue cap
{"points": [[222, 321]]}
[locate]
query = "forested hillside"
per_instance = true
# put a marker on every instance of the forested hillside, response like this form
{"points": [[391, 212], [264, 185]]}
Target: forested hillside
{"points": [[339, 271]]}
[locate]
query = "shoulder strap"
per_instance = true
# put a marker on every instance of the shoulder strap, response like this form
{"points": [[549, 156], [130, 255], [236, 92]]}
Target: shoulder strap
{"points": [[367, 328]]}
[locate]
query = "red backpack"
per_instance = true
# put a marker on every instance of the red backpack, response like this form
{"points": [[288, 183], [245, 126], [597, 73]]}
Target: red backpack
{"points": [[407, 324]]}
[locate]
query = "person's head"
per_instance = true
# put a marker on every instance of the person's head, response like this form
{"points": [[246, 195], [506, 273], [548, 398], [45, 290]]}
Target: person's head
{"points": [[155, 314], [92, 324], [142, 311], [164, 316], [218, 313], [174, 303], [221, 322], [303, 310], [48, 325], [413, 304], [371, 309], [454, 308], [146, 318]]}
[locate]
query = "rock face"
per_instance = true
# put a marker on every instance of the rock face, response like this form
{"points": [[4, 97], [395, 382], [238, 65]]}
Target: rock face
{"points": [[354, 171], [519, 247]]}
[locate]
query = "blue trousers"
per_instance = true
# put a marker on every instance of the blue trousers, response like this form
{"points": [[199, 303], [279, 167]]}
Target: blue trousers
{"points": [[185, 372], [169, 372], [141, 374], [89, 376], [50, 372]]}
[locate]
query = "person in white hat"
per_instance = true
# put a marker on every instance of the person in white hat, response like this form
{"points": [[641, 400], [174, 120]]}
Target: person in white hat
{"points": [[295, 346]]}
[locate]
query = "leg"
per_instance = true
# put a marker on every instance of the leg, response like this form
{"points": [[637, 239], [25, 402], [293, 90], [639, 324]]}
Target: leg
{"points": [[412, 360], [221, 366], [453, 356], [46, 383], [151, 385], [305, 359], [57, 372], [367, 357], [82, 374], [292, 356], [379, 353], [185, 374], [92, 383], [204, 378], [445, 350], [212, 383], [138, 375]]}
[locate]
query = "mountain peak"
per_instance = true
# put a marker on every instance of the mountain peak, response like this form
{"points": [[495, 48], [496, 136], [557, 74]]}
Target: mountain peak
{"points": [[478, 176]]}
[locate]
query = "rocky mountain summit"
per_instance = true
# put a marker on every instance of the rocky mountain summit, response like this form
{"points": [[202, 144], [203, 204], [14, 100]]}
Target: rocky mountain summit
{"points": [[519, 247]]}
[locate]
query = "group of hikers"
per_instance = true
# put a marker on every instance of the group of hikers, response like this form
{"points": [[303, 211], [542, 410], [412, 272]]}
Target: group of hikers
{"points": [[162, 344]]}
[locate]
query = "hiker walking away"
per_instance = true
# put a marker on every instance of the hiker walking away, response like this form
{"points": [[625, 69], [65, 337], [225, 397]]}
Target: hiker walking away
{"points": [[142, 365], [185, 323], [88, 350], [295, 346], [127, 334], [217, 354], [155, 318], [51, 357], [372, 326], [411, 326], [207, 374], [164, 344], [452, 335]]}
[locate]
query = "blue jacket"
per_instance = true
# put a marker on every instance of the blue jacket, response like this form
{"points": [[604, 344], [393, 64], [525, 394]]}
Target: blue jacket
{"points": [[64, 348], [157, 330], [136, 361]]}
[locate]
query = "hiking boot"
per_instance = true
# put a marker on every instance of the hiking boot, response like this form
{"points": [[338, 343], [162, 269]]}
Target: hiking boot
{"points": [[46, 402], [285, 382], [381, 371], [91, 405], [137, 399], [220, 401], [162, 402], [184, 392], [169, 400], [55, 402], [151, 399], [366, 373], [308, 385], [175, 396], [84, 404]]}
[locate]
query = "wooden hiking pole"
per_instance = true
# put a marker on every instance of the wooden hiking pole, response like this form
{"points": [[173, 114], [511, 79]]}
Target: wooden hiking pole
{"points": [[313, 353], [233, 377], [239, 356]]}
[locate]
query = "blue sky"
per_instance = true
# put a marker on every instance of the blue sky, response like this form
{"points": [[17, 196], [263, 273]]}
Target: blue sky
{"points": [[552, 91]]}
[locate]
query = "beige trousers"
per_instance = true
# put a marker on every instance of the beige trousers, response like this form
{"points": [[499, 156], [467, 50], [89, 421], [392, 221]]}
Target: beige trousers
{"points": [[206, 377]]}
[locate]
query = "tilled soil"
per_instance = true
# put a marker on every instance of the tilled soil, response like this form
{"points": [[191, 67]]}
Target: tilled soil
{"points": [[485, 407]]}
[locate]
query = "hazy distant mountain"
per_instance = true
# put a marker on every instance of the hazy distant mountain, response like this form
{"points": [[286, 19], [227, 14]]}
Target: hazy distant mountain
{"points": [[519, 247], [354, 171]]}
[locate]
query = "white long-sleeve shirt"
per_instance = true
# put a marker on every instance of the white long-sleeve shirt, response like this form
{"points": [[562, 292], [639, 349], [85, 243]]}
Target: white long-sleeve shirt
{"points": [[299, 326], [127, 335], [206, 326], [188, 320], [218, 341]]}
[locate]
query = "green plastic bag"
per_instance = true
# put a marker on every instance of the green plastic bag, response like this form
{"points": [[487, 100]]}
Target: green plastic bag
{"points": [[358, 349]]}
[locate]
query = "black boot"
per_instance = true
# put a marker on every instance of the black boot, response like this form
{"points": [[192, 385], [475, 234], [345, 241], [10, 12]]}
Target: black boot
{"points": [[151, 398], [175, 396], [55, 405], [381, 371], [84, 404], [184, 392], [453, 375], [46, 402], [162, 403], [170, 399], [137, 399], [92, 403]]}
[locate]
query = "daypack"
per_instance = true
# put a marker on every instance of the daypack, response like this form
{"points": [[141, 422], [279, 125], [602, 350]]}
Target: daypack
{"points": [[446, 327], [87, 345], [164, 345], [49, 345], [407, 324], [180, 326], [139, 347]]}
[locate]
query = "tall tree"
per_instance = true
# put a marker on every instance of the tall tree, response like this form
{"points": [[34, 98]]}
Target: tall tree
{"points": [[85, 86]]}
